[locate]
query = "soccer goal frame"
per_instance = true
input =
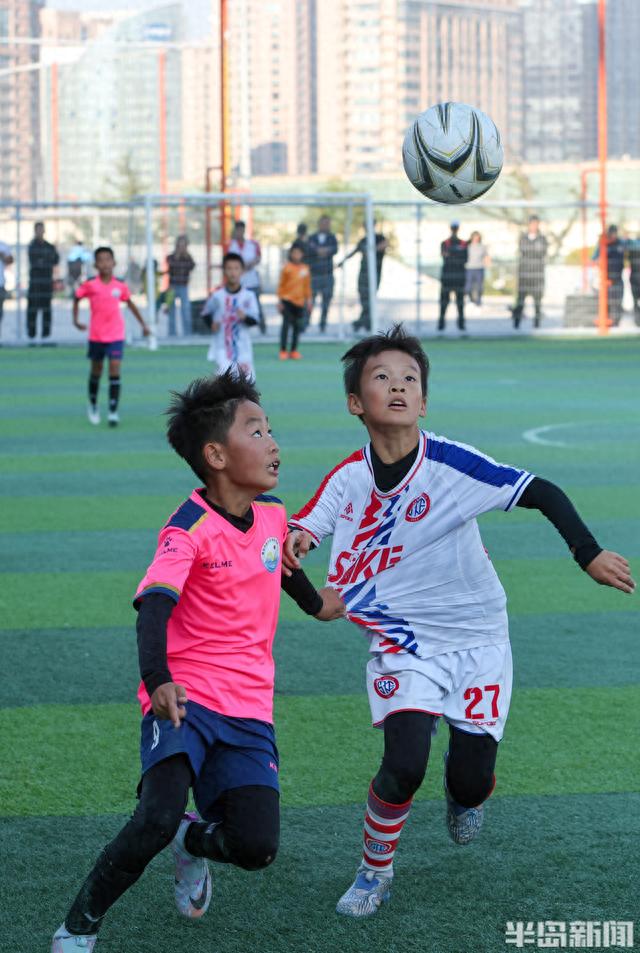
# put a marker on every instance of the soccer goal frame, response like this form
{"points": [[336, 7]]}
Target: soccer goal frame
{"points": [[153, 202]]}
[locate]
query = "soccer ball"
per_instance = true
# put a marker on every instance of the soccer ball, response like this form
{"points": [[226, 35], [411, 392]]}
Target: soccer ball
{"points": [[452, 153]]}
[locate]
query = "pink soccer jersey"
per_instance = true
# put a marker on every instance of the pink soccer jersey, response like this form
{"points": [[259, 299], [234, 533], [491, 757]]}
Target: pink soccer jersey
{"points": [[106, 323], [226, 584]]}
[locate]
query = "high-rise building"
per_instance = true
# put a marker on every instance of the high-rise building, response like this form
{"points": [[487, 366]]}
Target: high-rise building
{"points": [[262, 86], [553, 80], [622, 32], [380, 62], [113, 109], [19, 99]]}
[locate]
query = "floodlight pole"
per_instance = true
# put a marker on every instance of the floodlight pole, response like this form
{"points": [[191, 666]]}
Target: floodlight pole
{"points": [[603, 297], [372, 272]]}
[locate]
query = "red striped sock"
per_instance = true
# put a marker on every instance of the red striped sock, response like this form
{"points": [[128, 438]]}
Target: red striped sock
{"points": [[383, 825]]}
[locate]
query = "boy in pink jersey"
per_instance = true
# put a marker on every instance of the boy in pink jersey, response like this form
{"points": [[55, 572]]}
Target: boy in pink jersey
{"points": [[207, 614], [408, 560], [106, 330]]}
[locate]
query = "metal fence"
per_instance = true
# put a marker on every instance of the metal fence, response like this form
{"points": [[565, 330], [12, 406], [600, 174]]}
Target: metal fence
{"points": [[142, 233]]}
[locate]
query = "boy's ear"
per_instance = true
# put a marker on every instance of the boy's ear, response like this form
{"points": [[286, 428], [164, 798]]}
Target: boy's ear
{"points": [[354, 405], [214, 455], [423, 407]]}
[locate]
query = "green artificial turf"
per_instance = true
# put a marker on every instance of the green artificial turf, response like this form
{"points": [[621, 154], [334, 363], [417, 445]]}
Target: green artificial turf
{"points": [[81, 508]]}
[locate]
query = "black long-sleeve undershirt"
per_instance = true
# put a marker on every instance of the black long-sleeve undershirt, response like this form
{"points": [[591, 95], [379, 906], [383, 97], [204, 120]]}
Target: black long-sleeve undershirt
{"points": [[156, 608], [559, 510]]}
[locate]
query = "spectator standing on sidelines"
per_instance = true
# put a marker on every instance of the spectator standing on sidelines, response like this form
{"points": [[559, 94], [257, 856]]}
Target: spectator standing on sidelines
{"points": [[77, 260], [532, 254], [452, 279], [477, 260], [43, 258], [364, 321], [633, 252], [251, 254], [180, 264], [616, 247], [6, 258], [302, 241], [323, 245]]}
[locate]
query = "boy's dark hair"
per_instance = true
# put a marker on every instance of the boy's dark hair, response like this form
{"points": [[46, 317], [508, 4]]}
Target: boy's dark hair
{"points": [[103, 249], [232, 256], [204, 412], [298, 245], [395, 339]]}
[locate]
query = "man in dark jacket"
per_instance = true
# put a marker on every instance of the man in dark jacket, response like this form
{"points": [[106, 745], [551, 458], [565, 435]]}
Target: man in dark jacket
{"points": [[633, 251], [43, 258], [323, 245], [532, 254], [454, 260]]}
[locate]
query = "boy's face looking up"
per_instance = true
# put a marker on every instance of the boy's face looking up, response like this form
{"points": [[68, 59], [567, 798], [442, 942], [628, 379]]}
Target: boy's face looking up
{"points": [[104, 264], [296, 255], [390, 391], [233, 274], [249, 457]]}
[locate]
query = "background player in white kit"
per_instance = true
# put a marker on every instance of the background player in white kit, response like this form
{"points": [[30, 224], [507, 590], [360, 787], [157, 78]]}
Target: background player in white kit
{"points": [[408, 560], [233, 310]]}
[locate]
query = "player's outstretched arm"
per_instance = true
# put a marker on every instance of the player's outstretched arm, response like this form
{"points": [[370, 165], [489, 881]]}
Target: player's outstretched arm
{"points": [[611, 569], [333, 606], [296, 546]]}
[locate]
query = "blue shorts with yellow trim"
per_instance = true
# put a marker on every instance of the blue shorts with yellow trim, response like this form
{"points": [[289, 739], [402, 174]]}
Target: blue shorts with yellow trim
{"points": [[224, 752]]}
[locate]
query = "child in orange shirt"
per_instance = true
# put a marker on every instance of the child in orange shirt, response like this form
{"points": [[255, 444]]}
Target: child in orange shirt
{"points": [[294, 295]]}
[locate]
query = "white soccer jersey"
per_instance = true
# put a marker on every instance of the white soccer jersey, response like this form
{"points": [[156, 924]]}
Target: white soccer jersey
{"points": [[231, 345], [410, 563]]}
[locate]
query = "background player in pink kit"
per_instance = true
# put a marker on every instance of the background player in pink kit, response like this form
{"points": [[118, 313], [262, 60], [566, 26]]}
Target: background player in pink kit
{"points": [[233, 310], [106, 330], [408, 560], [208, 608]]}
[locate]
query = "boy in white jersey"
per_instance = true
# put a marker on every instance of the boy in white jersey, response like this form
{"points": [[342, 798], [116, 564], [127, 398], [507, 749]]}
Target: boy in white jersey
{"points": [[232, 310], [408, 560]]}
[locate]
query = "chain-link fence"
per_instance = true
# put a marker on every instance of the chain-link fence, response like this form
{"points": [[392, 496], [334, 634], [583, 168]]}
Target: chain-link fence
{"points": [[501, 266]]}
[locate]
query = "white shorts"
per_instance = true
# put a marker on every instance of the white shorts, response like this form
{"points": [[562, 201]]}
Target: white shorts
{"points": [[470, 689], [244, 362]]}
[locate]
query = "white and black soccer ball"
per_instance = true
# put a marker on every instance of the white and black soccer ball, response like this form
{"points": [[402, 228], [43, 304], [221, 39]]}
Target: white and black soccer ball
{"points": [[452, 153]]}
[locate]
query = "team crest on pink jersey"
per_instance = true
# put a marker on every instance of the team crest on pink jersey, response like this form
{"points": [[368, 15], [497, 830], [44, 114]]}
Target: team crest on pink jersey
{"points": [[386, 686], [270, 554], [418, 508]]}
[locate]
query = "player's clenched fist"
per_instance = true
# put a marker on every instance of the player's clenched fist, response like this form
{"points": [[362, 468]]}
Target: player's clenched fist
{"points": [[168, 701], [611, 569], [333, 606]]}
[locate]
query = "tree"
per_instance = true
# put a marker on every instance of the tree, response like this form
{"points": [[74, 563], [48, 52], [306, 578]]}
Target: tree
{"points": [[519, 186], [126, 183]]}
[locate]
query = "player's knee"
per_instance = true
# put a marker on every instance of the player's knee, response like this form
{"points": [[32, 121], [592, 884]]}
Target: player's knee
{"points": [[155, 831], [398, 782], [255, 853], [470, 789]]}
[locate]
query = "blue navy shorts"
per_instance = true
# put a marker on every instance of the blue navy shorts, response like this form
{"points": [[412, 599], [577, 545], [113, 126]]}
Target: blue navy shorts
{"points": [[224, 752], [98, 350]]}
